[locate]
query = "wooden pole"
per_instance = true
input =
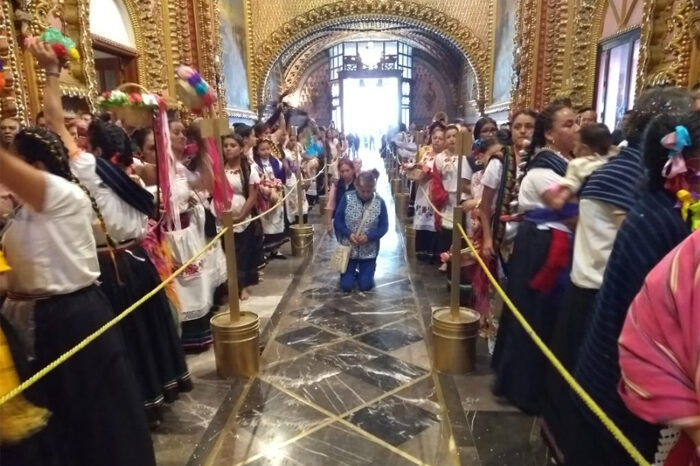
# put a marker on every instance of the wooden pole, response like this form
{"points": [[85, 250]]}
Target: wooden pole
{"points": [[215, 128], [456, 239], [300, 176]]}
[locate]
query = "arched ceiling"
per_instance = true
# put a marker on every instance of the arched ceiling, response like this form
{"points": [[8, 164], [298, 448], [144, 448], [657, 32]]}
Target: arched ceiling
{"points": [[297, 59], [429, 28]]}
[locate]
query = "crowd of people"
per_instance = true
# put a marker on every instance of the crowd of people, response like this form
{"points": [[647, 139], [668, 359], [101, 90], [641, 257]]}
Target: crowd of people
{"points": [[84, 237], [572, 218]]}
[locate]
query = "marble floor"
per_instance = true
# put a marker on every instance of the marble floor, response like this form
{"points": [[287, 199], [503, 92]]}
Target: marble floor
{"points": [[346, 379]]}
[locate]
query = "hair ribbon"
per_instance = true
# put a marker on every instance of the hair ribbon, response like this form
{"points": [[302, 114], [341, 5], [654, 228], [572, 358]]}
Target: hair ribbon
{"points": [[675, 142]]}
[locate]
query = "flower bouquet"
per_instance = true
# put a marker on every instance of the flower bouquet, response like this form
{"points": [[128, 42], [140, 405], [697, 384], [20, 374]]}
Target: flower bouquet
{"points": [[134, 108]]}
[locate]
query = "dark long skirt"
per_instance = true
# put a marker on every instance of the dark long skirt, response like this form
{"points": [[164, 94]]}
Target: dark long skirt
{"points": [[559, 412], [152, 340], [96, 408], [247, 258], [196, 333], [427, 246], [519, 365]]}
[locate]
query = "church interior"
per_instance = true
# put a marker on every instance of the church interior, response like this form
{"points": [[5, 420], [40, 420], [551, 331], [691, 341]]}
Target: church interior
{"points": [[302, 370]]}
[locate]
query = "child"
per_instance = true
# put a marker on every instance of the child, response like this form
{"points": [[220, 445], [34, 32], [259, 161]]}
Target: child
{"points": [[596, 148]]}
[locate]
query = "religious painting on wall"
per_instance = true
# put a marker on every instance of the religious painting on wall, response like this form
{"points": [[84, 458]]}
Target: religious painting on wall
{"points": [[233, 54], [503, 57]]}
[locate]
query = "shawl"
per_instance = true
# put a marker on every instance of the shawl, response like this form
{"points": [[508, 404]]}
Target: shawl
{"points": [[506, 194], [660, 347], [545, 158], [124, 187]]}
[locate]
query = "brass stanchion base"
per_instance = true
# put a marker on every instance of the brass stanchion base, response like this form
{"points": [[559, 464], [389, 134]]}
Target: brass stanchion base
{"points": [[401, 205], [410, 241], [302, 240], [396, 186], [454, 340], [322, 203], [236, 345]]}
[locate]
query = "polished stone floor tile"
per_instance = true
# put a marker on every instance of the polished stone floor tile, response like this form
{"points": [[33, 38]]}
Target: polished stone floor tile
{"points": [[393, 420], [387, 372], [393, 337], [335, 445], [306, 338], [322, 379], [505, 439], [334, 319], [267, 416]]}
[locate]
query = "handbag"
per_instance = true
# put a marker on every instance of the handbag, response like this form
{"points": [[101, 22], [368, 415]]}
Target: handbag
{"points": [[341, 255]]}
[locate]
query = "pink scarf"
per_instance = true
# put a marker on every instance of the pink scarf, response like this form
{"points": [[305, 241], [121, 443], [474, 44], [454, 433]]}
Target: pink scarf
{"points": [[222, 192], [660, 348]]}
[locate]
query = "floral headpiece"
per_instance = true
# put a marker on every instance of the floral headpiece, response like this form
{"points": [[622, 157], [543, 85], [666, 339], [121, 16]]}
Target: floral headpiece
{"points": [[192, 89]]}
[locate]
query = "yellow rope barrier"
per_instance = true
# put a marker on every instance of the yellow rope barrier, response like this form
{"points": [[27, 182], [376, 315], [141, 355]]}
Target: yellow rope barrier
{"points": [[104, 328], [566, 375]]}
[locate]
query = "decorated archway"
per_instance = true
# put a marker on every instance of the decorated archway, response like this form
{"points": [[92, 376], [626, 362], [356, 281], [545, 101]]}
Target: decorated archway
{"points": [[421, 17]]}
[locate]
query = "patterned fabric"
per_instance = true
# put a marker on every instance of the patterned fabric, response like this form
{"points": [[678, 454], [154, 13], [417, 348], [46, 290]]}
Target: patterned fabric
{"points": [[353, 218], [547, 159], [618, 181], [506, 194], [660, 347]]}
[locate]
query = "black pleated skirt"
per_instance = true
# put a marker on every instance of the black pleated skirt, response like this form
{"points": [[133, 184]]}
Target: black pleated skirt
{"points": [[97, 414], [519, 365], [152, 342], [427, 246]]}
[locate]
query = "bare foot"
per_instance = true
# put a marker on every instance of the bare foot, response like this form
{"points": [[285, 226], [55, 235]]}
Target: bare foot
{"points": [[244, 294], [443, 267]]}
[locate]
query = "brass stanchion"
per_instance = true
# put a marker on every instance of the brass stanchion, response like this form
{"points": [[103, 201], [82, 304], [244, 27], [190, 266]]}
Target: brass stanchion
{"points": [[410, 241], [455, 329], [236, 333], [302, 235]]}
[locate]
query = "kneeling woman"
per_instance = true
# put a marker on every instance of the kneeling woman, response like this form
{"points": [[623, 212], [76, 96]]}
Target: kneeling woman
{"points": [[54, 302], [360, 221]]}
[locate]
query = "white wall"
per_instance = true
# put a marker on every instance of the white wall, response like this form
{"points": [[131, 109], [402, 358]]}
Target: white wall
{"points": [[109, 19]]}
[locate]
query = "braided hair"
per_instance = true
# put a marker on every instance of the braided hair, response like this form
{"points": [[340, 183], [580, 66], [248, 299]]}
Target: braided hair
{"points": [[113, 142], [37, 144]]}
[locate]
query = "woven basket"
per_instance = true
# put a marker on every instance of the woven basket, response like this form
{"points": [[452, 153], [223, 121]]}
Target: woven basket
{"points": [[414, 174], [135, 117]]}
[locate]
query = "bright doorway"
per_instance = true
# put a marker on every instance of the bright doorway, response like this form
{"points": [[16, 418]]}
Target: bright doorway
{"points": [[370, 107]]}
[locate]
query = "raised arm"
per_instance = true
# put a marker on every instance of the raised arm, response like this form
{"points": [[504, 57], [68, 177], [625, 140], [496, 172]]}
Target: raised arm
{"points": [[53, 108]]}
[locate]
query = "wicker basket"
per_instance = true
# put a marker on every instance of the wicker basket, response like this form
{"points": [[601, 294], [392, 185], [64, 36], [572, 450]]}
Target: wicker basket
{"points": [[133, 116]]}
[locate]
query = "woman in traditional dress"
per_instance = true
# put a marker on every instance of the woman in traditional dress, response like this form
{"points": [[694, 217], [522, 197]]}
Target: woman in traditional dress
{"points": [[122, 209], [498, 192], [245, 183], [344, 184], [96, 405], [272, 182], [540, 260], [652, 227], [186, 236], [424, 217], [659, 352]]}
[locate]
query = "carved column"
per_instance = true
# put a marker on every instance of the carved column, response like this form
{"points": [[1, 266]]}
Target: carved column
{"points": [[13, 97]]}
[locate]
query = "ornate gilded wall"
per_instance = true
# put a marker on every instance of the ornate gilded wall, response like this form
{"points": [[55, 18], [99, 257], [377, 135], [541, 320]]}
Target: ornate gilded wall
{"points": [[315, 92]]}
